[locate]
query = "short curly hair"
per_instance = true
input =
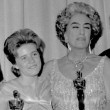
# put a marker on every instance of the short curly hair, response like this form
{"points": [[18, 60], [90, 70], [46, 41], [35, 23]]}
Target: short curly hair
{"points": [[65, 15], [17, 39]]}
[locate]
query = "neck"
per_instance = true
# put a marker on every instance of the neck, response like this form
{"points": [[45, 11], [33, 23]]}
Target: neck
{"points": [[77, 54], [28, 81], [78, 57]]}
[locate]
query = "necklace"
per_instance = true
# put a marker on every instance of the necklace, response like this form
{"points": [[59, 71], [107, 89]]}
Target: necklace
{"points": [[79, 63]]}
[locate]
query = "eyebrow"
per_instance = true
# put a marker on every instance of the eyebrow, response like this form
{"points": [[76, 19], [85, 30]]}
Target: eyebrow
{"points": [[74, 23], [84, 23], [35, 51], [22, 56], [87, 24]]}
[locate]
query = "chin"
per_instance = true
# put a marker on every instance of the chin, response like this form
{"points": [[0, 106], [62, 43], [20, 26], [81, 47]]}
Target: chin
{"points": [[33, 72], [81, 46]]}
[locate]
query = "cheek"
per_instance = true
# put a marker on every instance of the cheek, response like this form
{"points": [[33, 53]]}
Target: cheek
{"points": [[72, 38], [38, 61], [72, 34], [22, 66], [88, 34]]}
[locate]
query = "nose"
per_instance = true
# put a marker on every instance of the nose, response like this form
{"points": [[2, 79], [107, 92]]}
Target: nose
{"points": [[31, 60], [81, 30]]}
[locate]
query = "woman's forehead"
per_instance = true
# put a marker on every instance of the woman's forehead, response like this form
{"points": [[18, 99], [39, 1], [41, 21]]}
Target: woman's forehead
{"points": [[80, 18], [26, 49]]}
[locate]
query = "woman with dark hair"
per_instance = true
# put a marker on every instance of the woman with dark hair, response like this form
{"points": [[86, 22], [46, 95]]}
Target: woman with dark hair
{"points": [[80, 80], [24, 49]]}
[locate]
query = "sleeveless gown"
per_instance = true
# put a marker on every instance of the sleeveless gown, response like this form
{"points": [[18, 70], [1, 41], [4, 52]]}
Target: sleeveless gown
{"points": [[65, 96], [40, 102]]}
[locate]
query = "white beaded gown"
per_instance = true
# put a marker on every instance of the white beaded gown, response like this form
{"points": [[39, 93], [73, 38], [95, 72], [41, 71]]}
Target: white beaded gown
{"points": [[64, 94]]}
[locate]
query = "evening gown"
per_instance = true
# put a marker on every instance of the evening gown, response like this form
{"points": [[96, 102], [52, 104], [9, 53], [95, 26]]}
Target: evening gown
{"points": [[32, 101], [64, 95]]}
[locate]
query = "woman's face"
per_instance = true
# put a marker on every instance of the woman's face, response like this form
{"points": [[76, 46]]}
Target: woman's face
{"points": [[28, 60], [78, 31]]}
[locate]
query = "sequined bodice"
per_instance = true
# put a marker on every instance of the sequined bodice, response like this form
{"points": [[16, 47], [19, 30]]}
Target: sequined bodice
{"points": [[65, 95]]}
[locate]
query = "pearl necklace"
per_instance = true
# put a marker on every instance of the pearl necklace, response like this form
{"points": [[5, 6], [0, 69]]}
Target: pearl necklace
{"points": [[79, 63]]}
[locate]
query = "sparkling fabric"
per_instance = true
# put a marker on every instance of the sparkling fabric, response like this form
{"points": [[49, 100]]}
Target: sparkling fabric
{"points": [[65, 95]]}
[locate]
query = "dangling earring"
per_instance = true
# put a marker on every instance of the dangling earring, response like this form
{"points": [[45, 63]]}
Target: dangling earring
{"points": [[15, 70], [90, 51], [69, 47]]}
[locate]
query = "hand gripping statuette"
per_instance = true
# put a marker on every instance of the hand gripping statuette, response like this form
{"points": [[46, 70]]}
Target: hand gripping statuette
{"points": [[17, 103], [80, 85]]}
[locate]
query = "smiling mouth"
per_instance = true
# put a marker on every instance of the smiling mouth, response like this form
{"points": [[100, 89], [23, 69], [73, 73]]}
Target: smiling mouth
{"points": [[32, 67]]}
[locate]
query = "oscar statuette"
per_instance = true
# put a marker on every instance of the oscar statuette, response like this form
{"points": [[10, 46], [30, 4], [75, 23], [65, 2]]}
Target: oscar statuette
{"points": [[80, 85], [17, 103]]}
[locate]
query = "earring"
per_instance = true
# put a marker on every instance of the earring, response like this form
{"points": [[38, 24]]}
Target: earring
{"points": [[69, 47], [90, 50], [15, 70]]}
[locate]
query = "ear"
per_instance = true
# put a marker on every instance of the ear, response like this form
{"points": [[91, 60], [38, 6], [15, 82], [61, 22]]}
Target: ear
{"points": [[66, 37], [15, 66]]}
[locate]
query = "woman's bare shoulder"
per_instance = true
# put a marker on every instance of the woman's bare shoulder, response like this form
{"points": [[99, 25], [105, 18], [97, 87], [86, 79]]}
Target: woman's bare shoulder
{"points": [[7, 84], [93, 59], [48, 64], [47, 69]]}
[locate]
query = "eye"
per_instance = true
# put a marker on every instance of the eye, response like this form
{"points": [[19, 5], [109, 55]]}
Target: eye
{"points": [[35, 53], [87, 27], [23, 58], [75, 27]]}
